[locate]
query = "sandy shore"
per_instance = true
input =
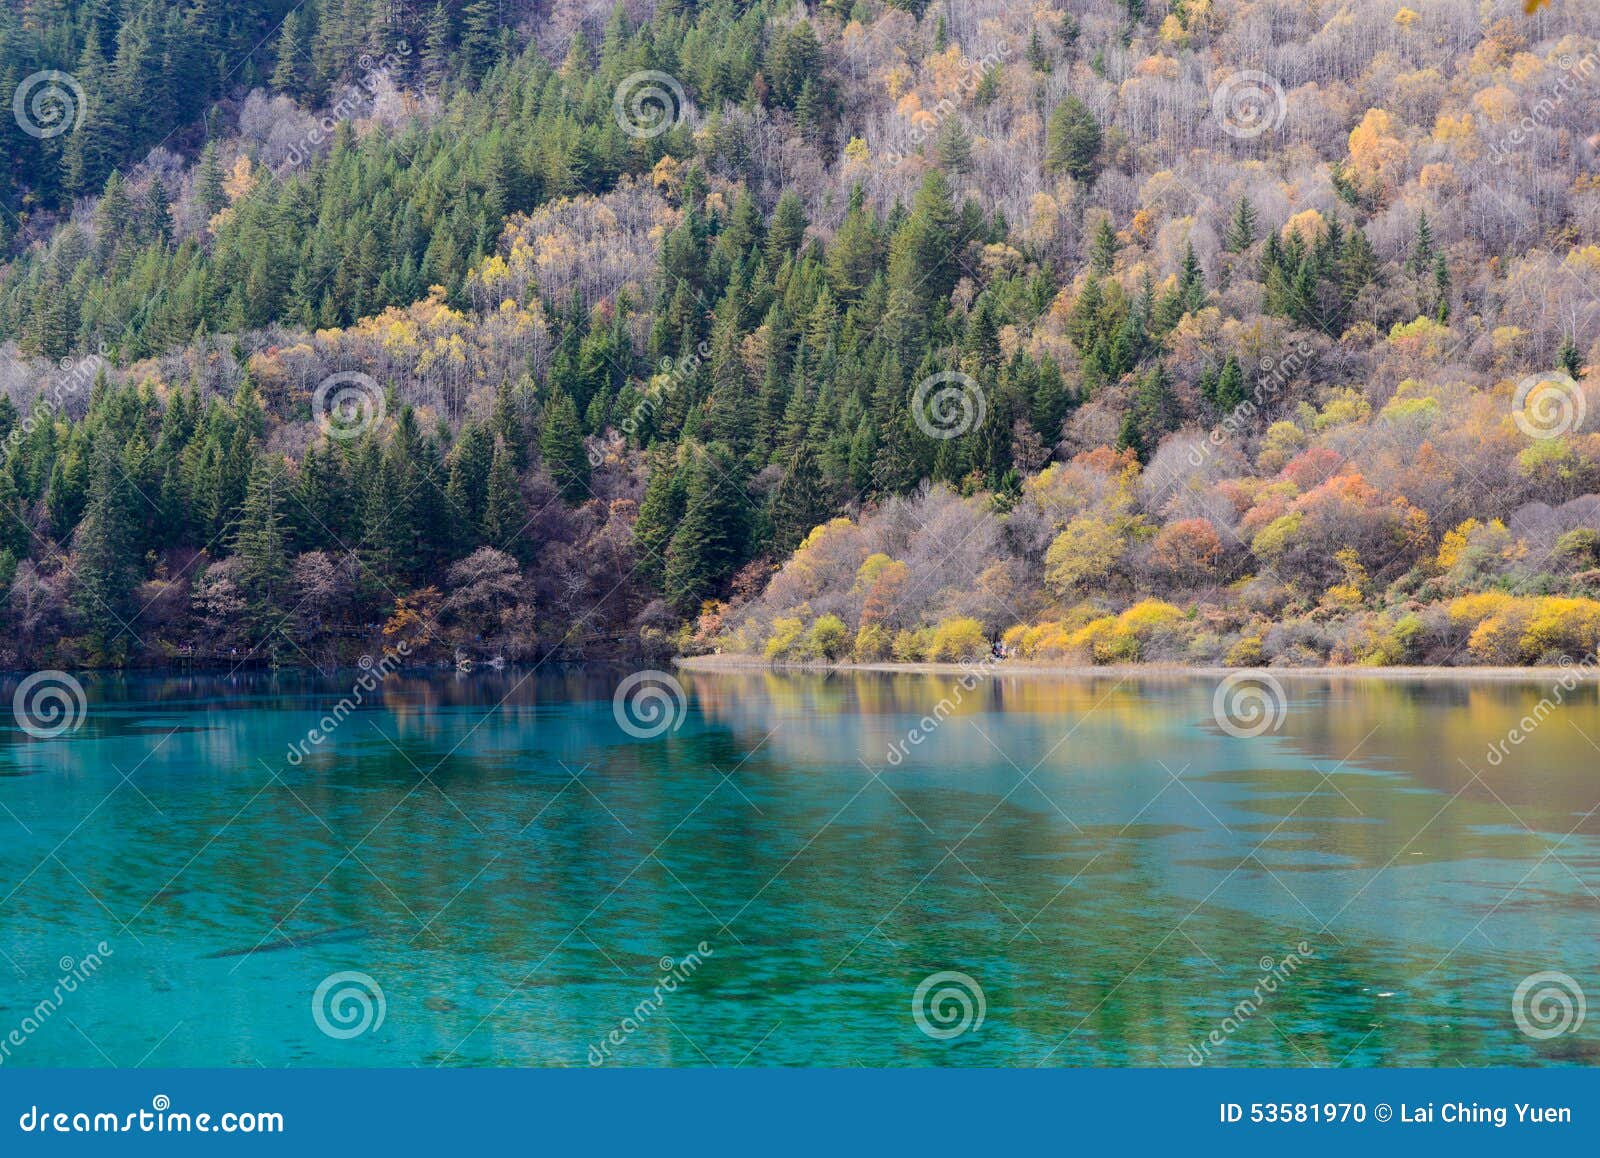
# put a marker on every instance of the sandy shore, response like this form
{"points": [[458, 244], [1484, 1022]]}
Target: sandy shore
{"points": [[1022, 667]]}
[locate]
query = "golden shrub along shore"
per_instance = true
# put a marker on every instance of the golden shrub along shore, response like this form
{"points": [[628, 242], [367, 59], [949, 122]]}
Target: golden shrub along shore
{"points": [[733, 664], [1077, 570]]}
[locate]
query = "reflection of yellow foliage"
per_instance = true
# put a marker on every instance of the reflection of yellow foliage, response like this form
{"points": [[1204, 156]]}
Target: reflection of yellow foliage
{"points": [[1406, 17]]}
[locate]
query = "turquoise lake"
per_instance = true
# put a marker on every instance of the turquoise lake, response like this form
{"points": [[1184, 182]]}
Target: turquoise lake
{"points": [[1066, 872]]}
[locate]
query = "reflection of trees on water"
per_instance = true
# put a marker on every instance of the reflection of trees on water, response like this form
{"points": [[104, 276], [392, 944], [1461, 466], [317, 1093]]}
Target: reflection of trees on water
{"points": [[1441, 733], [828, 894]]}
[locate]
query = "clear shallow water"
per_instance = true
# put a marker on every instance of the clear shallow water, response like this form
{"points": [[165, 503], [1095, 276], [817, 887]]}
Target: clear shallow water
{"points": [[1104, 862]]}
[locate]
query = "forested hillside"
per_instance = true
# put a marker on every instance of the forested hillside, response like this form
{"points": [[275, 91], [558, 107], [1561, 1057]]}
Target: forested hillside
{"points": [[1233, 331]]}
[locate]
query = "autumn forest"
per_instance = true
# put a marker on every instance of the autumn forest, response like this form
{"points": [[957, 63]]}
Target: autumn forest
{"points": [[1235, 332]]}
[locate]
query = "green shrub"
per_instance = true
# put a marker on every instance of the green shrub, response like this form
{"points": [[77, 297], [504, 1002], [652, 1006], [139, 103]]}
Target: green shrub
{"points": [[829, 638], [910, 646], [786, 634], [873, 643], [1245, 652]]}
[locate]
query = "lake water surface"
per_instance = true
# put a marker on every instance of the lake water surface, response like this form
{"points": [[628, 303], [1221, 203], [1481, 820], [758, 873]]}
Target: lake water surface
{"points": [[1062, 872]]}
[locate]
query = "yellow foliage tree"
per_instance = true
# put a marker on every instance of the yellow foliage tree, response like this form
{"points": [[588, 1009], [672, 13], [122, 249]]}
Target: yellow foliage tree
{"points": [[1083, 554], [1376, 150]]}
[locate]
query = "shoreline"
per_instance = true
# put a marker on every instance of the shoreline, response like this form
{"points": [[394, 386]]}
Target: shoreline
{"points": [[730, 664]]}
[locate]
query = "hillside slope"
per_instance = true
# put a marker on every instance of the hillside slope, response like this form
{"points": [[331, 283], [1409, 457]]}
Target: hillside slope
{"points": [[1244, 332]]}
